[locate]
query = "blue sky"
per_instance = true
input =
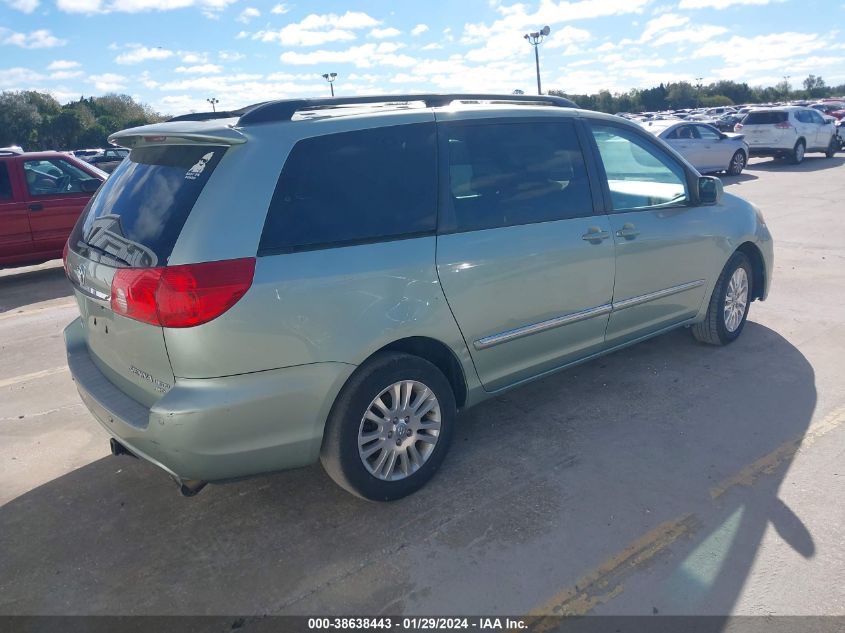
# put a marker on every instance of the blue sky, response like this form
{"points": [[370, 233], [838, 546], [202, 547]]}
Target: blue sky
{"points": [[173, 54]]}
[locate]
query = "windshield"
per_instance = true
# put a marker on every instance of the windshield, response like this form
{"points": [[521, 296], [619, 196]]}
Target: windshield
{"points": [[137, 215]]}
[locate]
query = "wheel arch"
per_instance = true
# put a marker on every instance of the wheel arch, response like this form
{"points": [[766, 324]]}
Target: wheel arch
{"points": [[438, 354], [758, 268]]}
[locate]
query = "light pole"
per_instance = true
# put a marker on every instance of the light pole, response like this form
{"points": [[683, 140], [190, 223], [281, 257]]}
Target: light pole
{"points": [[698, 90], [213, 101], [786, 85], [535, 39], [330, 77]]}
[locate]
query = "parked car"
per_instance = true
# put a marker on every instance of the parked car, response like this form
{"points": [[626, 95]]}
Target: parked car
{"points": [[705, 147], [788, 132], [41, 197], [726, 122], [87, 154], [109, 159], [386, 267]]}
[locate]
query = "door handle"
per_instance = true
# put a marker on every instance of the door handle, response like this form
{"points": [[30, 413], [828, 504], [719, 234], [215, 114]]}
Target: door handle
{"points": [[628, 231], [37, 206], [594, 234]]}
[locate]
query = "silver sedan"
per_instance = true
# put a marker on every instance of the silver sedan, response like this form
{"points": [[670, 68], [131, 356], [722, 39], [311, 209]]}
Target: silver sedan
{"points": [[708, 149]]}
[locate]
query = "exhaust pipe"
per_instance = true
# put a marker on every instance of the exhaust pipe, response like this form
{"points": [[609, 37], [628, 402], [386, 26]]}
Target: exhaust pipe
{"points": [[118, 449], [191, 487]]}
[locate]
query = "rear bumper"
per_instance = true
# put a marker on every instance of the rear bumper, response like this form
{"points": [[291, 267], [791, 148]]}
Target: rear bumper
{"points": [[215, 428]]}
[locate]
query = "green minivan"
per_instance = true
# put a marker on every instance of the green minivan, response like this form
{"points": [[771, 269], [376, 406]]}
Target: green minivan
{"points": [[335, 279]]}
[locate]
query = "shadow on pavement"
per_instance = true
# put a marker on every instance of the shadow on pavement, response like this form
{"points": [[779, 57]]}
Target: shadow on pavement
{"points": [[542, 485], [812, 162], [27, 286]]}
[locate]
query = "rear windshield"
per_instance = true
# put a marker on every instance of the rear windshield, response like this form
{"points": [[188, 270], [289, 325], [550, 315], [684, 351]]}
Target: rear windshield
{"points": [[136, 216], [765, 118]]}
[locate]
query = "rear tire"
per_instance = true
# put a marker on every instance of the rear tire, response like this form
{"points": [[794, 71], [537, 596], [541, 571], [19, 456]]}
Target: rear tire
{"points": [[797, 156], [737, 164], [376, 444], [729, 304]]}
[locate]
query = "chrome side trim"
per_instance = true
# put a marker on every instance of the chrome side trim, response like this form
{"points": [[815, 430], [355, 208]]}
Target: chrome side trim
{"points": [[658, 294], [534, 328]]}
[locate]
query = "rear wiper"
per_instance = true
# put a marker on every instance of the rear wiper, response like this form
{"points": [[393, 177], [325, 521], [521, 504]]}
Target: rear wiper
{"points": [[101, 251]]}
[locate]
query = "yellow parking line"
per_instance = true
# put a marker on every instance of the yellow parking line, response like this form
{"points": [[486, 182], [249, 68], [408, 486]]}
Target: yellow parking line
{"points": [[9, 315], [34, 375], [770, 462], [605, 581]]}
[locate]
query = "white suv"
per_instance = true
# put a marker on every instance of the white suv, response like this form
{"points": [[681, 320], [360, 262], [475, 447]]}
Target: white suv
{"points": [[788, 132]]}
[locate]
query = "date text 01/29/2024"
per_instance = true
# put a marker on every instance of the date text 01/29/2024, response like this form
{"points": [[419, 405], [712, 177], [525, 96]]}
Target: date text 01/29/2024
{"points": [[418, 623]]}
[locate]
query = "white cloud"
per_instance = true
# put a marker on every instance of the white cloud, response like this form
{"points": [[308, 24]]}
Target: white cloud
{"points": [[317, 29], [433, 46], [26, 6], [41, 38], [230, 56], [200, 69], [419, 29], [664, 22], [248, 14], [718, 4], [385, 33], [66, 74], [189, 57], [280, 9], [19, 78], [108, 82], [137, 54], [209, 7], [364, 56], [693, 34], [63, 64]]}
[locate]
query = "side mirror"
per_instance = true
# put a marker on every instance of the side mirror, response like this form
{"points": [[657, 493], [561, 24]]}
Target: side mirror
{"points": [[90, 185], [709, 190]]}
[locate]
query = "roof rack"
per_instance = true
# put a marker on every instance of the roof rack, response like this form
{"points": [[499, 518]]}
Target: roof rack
{"points": [[283, 110], [10, 151]]}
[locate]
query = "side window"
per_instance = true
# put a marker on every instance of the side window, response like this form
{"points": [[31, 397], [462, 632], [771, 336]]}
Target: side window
{"points": [[5, 183], [505, 174], [53, 176], [802, 116], [687, 132], [374, 184], [639, 174], [817, 118], [707, 133]]}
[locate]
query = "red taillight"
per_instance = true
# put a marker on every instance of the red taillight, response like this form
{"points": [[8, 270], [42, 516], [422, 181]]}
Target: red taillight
{"points": [[783, 125], [181, 296], [737, 127]]}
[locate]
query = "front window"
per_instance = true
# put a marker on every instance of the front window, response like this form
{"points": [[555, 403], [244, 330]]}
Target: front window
{"points": [[53, 176], [639, 174]]}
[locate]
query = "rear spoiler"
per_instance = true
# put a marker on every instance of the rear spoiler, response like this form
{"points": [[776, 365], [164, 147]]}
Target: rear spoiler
{"points": [[177, 133]]}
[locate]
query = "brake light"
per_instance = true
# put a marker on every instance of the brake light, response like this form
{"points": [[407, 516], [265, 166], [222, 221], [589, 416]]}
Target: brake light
{"points": [[783, 125], [181, 296], [737, 127]]}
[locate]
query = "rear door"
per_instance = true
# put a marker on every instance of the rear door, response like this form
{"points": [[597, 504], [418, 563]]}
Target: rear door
{"points": [[682, 140], [525, 262], [133, 222], [55, 199], [15, 236]]}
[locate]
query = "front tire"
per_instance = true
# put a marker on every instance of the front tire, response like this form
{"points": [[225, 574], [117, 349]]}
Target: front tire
{"points": [[797, 156], [832, 148], [389, 428], [729, 304], [737, 164]]}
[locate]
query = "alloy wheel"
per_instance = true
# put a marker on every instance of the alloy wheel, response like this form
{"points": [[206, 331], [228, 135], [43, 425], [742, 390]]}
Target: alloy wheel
{"points": [[399, 430], [736, 300]]}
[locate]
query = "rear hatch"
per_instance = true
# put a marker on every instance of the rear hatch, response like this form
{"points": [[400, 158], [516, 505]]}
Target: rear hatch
{"points": [[768, 128], [128, 229]]}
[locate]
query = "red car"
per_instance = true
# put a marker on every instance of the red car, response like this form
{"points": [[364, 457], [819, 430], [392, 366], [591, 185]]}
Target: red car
{"points": [[41, 196]]}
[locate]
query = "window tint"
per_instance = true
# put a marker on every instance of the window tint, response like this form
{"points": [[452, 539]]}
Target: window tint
{"points": [[139, 212], [5, 183], [639, 174], [505, 174], [765, 118], [707, 133], [357, 186], [815, 117], [53, 176]]}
